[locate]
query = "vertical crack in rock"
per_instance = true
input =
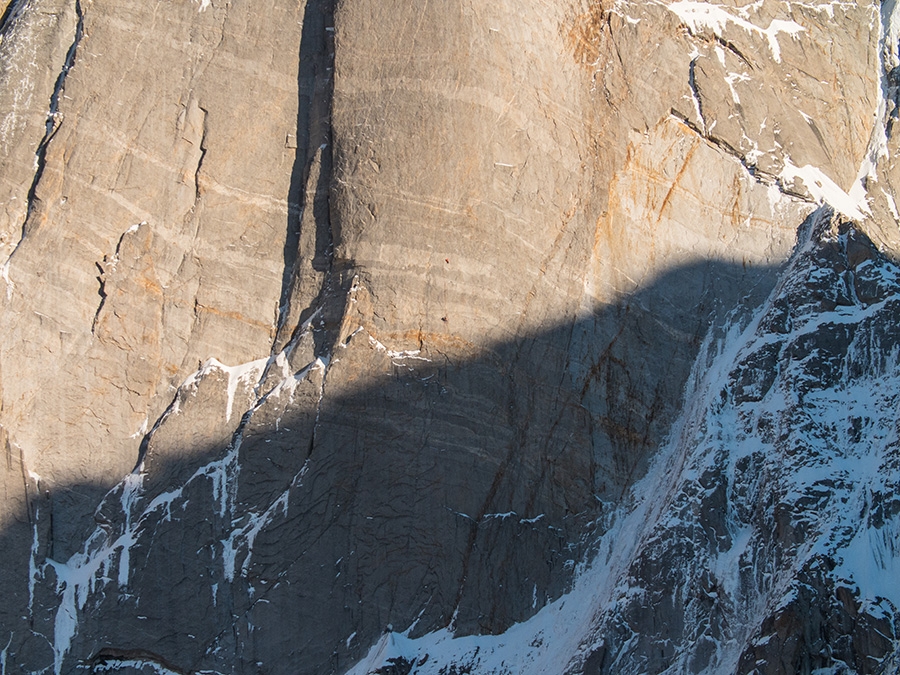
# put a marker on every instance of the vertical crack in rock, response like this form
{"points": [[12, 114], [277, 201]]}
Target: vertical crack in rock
{"points": [[313, 158], [106, 266], [315, 425], [695, 94], [53, 121], [52, 125], [193, 127], [31, 488], [9, 15], [13, 11], [310, 291], [203, 148], [101, 291]]}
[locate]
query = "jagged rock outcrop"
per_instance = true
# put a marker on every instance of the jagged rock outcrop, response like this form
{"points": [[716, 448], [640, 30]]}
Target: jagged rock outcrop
{"points": [[336, 330]]}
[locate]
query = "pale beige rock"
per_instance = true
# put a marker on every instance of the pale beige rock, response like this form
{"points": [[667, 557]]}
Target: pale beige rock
{"points": [[37, 37], [454, 262], [165, 223]]}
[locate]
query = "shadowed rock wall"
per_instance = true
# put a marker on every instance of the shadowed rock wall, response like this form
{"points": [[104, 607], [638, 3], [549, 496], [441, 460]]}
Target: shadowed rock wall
{"points": [[459, 261]]}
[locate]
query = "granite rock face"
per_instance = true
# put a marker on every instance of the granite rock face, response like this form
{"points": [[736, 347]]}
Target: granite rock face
{"points": [[383, 337]]}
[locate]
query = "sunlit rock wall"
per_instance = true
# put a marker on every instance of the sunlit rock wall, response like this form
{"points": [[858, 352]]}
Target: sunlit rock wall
{"points": [[328, 320]]}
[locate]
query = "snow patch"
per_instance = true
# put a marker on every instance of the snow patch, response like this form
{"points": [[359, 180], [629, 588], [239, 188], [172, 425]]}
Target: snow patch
{"points": [[826, 7], [699, 15], [531, 521], [243, 537], [3, 654], [826, 191], [127, 665], [142, 430], [4, 274], [245, 373], [892, 205], [501, 516], [733, 78], [398, 355]]}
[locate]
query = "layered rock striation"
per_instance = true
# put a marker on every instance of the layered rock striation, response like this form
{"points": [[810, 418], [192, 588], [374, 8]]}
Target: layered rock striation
{"points": [[376, 337]]}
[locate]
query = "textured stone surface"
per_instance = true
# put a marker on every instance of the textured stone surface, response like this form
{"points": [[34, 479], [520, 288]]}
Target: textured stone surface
{"points": [[325, 321], [774, 472], [158, 215]]}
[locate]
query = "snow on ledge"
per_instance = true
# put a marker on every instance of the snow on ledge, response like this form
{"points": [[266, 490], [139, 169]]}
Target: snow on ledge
{"points": [[826, 191], [698, 15]]}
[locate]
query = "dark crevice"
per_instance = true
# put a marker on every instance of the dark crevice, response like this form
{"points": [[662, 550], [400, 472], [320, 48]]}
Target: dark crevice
{"points": [[695, 92], [727, 44], [720, 142], [312, 443], [730, 46], [101, 278], [52, 123], [145, 441], [760, 176], [67, 66], [811, 123], [315, 91], [892, 96], [10, 15], [202, 156]]}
